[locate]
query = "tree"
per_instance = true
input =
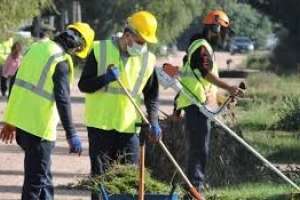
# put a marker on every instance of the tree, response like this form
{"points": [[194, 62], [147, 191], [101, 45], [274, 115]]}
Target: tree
{"points": [[14, 13], [286, 54], [245, 21], [173, 16]]}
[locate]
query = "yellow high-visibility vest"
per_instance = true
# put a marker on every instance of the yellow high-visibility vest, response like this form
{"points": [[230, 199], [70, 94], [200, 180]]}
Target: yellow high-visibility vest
{"points": [[5, 50], [110, 108], [31, 106], [200, 87]]}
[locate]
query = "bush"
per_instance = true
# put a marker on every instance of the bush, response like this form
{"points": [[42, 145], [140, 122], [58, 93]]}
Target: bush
{"points": [[271, 103], [289, 114], [260, 61], [269, 87], [122, 179]]}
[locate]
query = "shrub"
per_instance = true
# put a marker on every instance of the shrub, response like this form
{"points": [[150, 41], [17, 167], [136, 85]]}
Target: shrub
{"points": [[289, 114]]}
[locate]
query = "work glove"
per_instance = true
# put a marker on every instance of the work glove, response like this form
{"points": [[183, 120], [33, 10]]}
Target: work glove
{"points": [[154, 133], [112, 74], [75, 144]]}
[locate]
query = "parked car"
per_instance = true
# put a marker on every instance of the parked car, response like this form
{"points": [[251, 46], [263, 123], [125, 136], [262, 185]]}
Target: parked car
{"points": [[240, 45]]}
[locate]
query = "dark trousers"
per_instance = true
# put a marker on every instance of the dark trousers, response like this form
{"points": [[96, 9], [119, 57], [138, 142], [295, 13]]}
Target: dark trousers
{"points": [[108, 146], [198, 129], [37, 167], [5, 86]]}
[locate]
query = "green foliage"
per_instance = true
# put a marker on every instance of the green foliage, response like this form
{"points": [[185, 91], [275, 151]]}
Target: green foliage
{"points": [[14, 13], [272, 103], [123, 179], [110, 16], [277, 146], [245, 20], [254, 191], [285, 59], [289, 114], [260, 61], [174, 16], [248, 22], [286, 54]]}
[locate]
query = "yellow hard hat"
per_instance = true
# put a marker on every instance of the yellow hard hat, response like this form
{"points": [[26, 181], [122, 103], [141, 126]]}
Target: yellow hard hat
{"points": [[145, 24], [87, 34]]}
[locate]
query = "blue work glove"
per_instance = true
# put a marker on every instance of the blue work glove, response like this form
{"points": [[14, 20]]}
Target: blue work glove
{"points": [[75, 144], [154, 133], [112, 74]]}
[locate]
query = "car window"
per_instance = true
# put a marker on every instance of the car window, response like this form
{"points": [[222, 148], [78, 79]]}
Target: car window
{"points": [[242, 40]]}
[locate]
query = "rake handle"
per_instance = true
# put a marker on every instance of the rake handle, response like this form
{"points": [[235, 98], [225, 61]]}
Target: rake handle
{"points": [[192, 189]]}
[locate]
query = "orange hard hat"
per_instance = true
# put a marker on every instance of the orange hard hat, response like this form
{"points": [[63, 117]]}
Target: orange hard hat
{"points": [[216, 17]]}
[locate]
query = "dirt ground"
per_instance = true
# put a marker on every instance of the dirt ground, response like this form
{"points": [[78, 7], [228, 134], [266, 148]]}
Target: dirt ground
{"points": [[68, 168]]}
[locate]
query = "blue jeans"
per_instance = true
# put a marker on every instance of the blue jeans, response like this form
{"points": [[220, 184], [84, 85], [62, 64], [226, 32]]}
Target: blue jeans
{"points": [[198, 129], [37, 165], [108, 146]]}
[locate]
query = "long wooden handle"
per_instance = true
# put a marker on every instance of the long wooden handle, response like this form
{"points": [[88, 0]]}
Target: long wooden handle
{"points": [[192, 189], [141, 190]]}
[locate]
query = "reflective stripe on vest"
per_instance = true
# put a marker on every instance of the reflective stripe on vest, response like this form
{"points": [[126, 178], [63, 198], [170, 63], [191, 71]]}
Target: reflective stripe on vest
{"points": [[111, 100], [31, 106], [39, 88], [101, 69], [102, 56]]}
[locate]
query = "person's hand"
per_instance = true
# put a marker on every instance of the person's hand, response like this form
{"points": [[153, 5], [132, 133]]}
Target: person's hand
{"points": [[112, 73], [8, 133], [235, 91], [75, 144], [176, 116], [172, 71], [154, 133]]}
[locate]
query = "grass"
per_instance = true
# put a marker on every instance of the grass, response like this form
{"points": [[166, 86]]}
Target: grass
{"points": [[254, 191], [257, 116], [271, 100], [277, 146], [270, 110], [258, 60], [268, 87]]}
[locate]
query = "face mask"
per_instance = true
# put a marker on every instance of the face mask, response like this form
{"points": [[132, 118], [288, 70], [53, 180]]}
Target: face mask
{"points": [[136, 49]]}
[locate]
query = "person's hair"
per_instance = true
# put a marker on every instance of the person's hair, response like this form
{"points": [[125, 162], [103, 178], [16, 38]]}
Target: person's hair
{"points": [[127, 30], [16, 48]]}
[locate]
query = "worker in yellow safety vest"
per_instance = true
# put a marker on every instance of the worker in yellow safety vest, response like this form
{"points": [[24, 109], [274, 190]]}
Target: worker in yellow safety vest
{"points": [[199, 75], [39, 97], [111, 119]]}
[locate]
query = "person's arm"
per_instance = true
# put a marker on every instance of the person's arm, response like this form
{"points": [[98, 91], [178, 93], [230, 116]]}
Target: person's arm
{"points": [[62, 97], [217, 81], [232, 89], [151, 94], [89, 81], [202, 60]]}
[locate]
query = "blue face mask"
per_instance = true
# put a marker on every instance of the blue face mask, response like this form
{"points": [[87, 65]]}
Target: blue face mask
{"points": [[137, 49]]}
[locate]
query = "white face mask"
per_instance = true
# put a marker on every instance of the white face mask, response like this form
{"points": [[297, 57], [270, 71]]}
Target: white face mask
{"points": [[137, 49]]}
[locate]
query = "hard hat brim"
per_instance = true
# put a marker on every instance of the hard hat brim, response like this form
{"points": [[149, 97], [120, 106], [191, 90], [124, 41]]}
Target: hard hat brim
{"points": [[149, 39]]}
